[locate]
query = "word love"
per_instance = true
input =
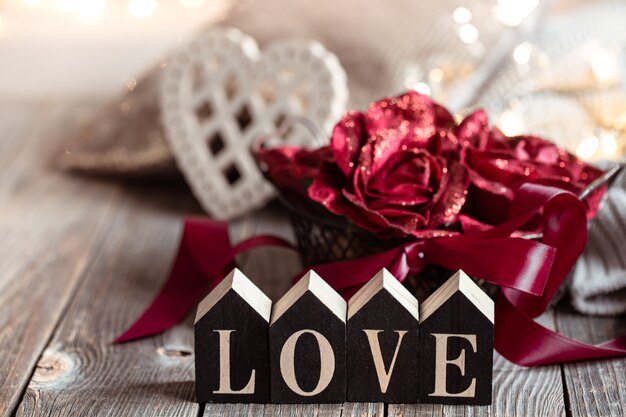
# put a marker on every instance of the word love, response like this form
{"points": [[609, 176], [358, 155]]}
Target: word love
{"points": [[313, 347]]}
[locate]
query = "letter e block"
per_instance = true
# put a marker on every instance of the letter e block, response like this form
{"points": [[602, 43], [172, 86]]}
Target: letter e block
{"points": [[456, 344]]}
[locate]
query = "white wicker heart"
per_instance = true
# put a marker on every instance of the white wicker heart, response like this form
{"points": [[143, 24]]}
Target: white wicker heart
{"points": [[220, 93]]}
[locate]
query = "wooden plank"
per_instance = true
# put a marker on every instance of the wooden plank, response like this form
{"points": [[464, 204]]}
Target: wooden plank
{"points": [[517, 391], [594, 388], [295, 410], [49, 227], [82, 372]]}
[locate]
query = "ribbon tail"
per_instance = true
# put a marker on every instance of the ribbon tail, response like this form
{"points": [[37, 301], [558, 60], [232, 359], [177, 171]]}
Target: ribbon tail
{"points": [[538, 345], [205, 255], [183, 289], [200, 261]]}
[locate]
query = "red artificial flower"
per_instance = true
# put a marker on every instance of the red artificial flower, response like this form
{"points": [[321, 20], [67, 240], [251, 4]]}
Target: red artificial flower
{"points": [[499, 165], [405, 168], [292, 169], [390, 174]]}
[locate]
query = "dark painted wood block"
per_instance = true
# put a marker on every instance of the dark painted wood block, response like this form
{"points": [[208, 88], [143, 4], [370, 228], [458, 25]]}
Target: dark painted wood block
{"points": [[308, 344], [232, 343], [382, 342], [456, 344]]}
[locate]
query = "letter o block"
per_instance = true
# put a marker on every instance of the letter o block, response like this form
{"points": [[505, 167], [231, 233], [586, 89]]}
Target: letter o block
{"points": [[308, 344]]}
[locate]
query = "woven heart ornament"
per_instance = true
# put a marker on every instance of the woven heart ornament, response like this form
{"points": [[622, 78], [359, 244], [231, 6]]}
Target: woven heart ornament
{"points": [[220, 94]]}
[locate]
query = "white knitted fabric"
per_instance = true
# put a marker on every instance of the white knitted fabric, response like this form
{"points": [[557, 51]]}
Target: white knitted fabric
{"points": [[598, 284]]}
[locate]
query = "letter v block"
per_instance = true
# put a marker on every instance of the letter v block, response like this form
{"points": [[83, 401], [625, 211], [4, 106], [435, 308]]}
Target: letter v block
{"points": [[456, 344], [382, 334], [308, 344], [231, 343]]}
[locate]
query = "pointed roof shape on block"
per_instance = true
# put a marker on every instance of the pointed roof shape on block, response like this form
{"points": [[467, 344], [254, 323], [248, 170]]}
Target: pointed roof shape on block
{"points": [[318, 287], [241, 284], [459, 282], [383, 280]]}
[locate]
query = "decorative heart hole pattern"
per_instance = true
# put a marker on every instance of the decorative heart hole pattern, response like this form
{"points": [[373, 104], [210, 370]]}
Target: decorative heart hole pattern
{"points": [[243, 118], [220, 94], [204, 111], [198, 76], [216, 144], [232, 174], [231, 86], [268, 92]]}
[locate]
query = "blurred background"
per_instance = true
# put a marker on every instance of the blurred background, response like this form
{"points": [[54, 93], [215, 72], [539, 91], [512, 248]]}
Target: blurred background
{"points": [[554, 68], [90, 47]]}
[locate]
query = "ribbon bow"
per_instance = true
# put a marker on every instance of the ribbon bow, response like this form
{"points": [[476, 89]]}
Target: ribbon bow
{"points": [[528, 272]]}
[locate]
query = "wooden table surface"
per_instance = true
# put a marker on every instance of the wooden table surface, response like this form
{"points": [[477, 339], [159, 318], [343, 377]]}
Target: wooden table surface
{"points": [[80, 258]]}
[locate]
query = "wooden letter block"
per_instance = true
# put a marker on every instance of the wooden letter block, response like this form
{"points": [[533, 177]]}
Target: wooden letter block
{"points": [[231, 343], [456, 344], [308, 344], [382, 342]]}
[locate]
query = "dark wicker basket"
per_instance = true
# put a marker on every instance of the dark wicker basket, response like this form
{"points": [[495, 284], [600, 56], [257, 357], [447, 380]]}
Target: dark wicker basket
{"points": [[329, 239]]}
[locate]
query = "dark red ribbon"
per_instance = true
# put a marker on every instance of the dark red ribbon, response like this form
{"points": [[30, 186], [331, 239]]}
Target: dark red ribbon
{"points": [[529, 273]]}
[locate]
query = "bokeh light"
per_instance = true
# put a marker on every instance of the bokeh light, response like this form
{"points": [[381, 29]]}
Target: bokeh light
{"points": [[91, 9], [461, 15], [141, 9], [192, 3], [468, 33]]}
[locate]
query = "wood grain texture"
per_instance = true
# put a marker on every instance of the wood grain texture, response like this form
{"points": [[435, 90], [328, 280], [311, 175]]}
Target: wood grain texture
{"points": [[82, 372], [517, 392], [50, 225], [295, 410], [594, 388]]}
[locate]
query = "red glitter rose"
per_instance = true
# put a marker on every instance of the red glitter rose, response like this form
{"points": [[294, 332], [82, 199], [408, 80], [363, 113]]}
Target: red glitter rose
{"points": [[390, 174], [405, 168], [291, 169], [499, 165]]}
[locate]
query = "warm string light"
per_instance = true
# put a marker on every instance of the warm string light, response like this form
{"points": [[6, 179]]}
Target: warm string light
{"points": [[462, 15], [521, 53], [141, 9], [510, 123], [604, 67], [31, 3], [67, 5], [587, 148], [468, 33], [513, 12], [192, 3], [92, 10]]}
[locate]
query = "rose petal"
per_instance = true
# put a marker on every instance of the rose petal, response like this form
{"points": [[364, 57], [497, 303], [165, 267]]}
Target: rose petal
{"points": [[292, 169], [474, 130], [347, 140], [449, 204], [326, 187]]}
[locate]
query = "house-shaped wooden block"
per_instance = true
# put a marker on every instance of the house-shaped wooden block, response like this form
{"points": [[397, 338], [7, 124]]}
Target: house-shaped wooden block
{"points": [[231, 343], [382, 342], [456, 344], [308, 344]]}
